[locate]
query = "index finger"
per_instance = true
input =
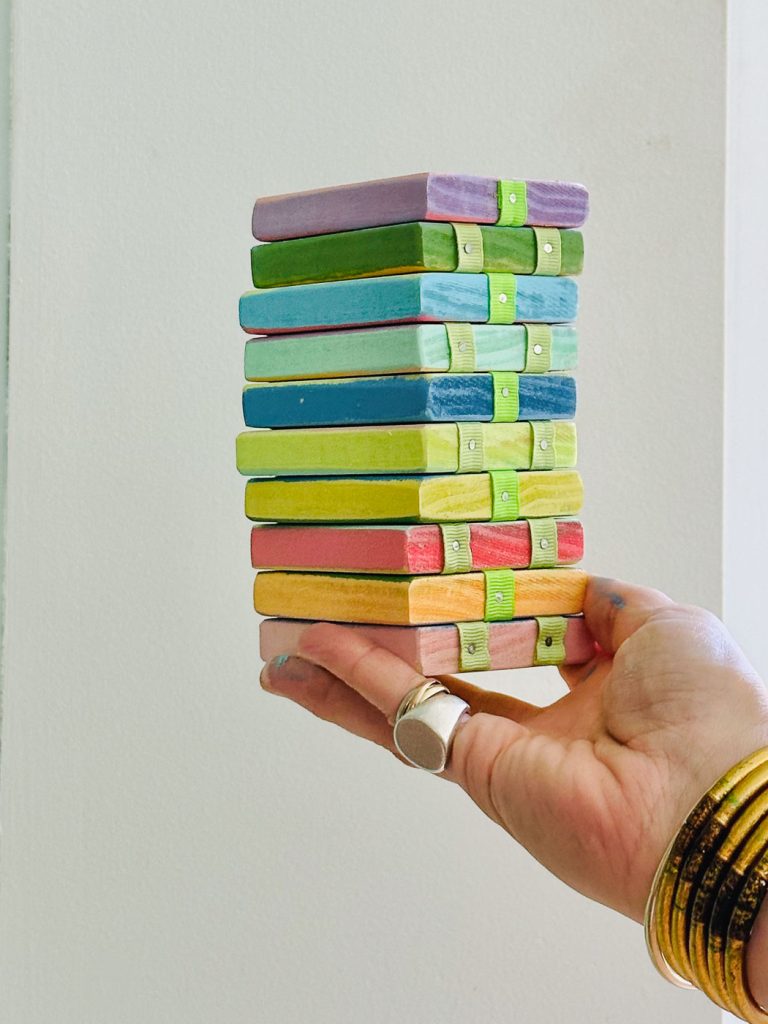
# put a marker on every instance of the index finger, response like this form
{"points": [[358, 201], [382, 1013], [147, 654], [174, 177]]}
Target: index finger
{"points": [[377, 674], [614, 610], [383, 678]]}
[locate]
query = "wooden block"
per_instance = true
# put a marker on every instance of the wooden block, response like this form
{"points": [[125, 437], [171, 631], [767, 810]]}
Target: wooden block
{"points": [[385, 350], [407, 550], [434, 650], [402, 298], [401, 249], [463, 497], [413, 600], [434, 197], [428, 448], [412, 398]]}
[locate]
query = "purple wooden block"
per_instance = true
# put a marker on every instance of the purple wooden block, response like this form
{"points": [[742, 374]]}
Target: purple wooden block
{"points": [[444, 197]]}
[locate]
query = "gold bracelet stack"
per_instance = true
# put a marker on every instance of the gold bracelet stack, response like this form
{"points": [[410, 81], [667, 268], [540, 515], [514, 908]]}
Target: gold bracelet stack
{"points": [[709, 888]]}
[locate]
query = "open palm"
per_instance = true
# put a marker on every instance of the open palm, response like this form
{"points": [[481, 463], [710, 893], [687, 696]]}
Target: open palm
{"points": [[595, 784]]}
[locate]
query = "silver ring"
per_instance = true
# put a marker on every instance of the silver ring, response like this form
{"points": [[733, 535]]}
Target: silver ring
{"points": [[426, 723], [429, 688]]}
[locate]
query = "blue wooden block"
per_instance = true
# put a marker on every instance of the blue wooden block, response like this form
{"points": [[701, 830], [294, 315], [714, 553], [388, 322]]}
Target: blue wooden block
{"points": [[412, 398], [402, 298]]}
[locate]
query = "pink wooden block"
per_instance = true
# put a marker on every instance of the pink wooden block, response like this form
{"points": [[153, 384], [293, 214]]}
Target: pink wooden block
{"points": [[434, 650]]}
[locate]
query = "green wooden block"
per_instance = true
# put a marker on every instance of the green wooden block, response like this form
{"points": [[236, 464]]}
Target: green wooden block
{"points": [[401, 349], [426, 448], [401, 249]]}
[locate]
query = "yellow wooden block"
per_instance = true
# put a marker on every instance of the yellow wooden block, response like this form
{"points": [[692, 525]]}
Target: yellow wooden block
{"points": [[460, 497], [413, 600], [423, 448]]}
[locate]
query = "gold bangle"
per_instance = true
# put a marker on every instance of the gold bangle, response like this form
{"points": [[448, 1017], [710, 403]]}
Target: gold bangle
{"points": [[700, 859], [659, 906], [748, 904], [700, 945], [654, 911]]}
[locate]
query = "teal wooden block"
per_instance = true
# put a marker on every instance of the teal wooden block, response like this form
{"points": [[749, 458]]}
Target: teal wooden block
{"points": [[405, 298]]}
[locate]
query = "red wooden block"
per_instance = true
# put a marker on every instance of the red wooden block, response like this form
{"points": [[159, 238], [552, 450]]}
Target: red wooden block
{"points": [[402, 549]]}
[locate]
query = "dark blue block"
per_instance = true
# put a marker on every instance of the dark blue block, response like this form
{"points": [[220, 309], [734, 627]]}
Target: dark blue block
{"points": [[415, 398]]}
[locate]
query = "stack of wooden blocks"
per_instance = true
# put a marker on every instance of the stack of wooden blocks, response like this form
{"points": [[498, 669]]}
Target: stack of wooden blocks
{"points": [[417, 478]]}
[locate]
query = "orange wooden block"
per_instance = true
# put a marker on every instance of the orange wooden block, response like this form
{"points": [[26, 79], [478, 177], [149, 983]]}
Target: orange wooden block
{"points": [[404, 600]]}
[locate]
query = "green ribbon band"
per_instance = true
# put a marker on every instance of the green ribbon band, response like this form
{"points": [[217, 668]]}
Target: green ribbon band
{"points": [[471, 456], [538, 348], [549, 252], [469, 248], [542, 444], [474, 655], [461, 348], [550, 642], [505, 495], [513, 203], [544, 553], [457, 554], [499, 594], [502, 298], [506, 396]]}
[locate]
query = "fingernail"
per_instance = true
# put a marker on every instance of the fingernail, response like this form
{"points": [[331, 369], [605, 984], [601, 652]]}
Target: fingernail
{"points": [[271, 668]]}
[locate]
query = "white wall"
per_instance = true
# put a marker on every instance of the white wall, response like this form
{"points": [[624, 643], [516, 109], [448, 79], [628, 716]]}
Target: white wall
{"points": [[745, 555], [5, 175], [746, 365], [177, 846]]}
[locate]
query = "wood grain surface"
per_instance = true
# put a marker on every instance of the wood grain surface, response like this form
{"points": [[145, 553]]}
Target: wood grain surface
{"points": [[412, 600], [402, 298], [408, 550], [386, 350], [434, 650], [463, 497], [408, 398], [425, 196], [400, 249], [427, 448]]}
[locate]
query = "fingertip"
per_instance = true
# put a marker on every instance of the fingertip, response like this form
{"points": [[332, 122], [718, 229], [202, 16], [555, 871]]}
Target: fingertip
{"points": [[280, 671], [613, 609], [619, 594]]}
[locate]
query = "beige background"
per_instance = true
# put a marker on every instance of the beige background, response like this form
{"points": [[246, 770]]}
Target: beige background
{"points": [[177, 846]]}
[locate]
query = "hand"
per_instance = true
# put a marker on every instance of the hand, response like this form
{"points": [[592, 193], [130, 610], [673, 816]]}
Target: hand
{"points": [[596, 784]]}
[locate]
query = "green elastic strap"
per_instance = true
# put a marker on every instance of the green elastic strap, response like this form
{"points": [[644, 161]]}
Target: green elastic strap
{"points": [[457, 555], [538, 348], [471, 457], [474, 655], [469, 248], [550, 642], [544, 552], [549, 252], [513, 203], [461, 348], [542, 444], [506, 396], [505, 495], [502, 298], [499, 594]]}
